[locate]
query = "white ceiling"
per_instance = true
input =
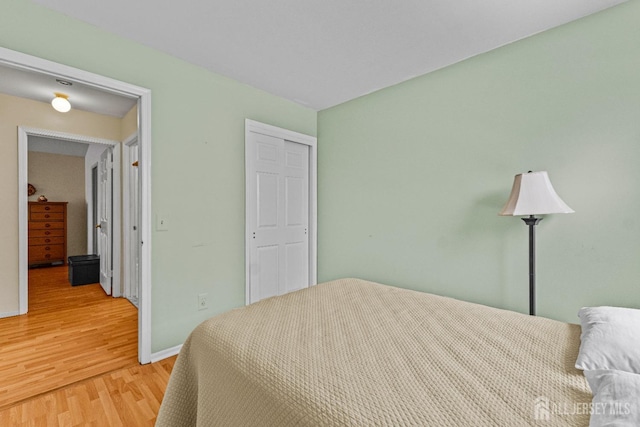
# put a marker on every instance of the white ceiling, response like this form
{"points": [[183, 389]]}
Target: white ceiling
{"points": [[40, 87], [325, 52]]}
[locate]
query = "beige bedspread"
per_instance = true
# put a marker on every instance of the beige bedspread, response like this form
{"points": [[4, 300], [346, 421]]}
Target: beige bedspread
{"points": [[356, 353]]}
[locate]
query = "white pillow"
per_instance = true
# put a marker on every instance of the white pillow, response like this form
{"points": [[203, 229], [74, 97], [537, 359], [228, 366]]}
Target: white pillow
{"points": [[616, 398], [610, 339]]}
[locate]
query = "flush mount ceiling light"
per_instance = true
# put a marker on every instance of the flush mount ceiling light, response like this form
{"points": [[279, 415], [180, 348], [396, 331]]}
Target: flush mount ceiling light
{"points": [[61, 102]]}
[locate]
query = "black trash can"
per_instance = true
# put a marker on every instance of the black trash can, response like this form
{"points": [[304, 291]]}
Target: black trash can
{"points": [[84, 269]]}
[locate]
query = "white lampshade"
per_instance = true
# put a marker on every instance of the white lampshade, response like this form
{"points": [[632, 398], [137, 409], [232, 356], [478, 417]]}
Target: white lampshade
{"points": [[61, 103], [533, 194]]}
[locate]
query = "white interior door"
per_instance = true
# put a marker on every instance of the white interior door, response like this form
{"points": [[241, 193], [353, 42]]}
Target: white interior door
{"points": [[277, 215], [105, 215], [132, 269], [94, 209]]}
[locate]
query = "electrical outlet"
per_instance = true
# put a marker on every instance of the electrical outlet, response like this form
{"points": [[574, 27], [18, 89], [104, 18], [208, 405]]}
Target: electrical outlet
{"points": [[202, 302]]}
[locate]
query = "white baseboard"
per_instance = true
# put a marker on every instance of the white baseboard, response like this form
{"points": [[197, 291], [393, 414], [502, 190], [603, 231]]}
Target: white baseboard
{"points": [[164, 354], [9, 314]]}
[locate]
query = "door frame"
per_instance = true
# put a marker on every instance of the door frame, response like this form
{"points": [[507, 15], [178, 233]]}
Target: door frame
{"points": [[299, 138], [34, 64]]}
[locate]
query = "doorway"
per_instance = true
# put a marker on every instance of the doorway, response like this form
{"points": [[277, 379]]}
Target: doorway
{"points": [[33, 64], [106, 193]]}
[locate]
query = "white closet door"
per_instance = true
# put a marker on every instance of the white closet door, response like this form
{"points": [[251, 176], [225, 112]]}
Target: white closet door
{"points": [[278, 211]]}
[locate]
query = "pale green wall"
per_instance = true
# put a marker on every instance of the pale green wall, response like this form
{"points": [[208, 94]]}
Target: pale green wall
{"points": [[411, 177], [197, 158]]}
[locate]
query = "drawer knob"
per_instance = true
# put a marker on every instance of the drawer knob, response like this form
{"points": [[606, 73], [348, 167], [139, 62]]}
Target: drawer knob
{"points": [[47, 233], [47, 255], [46, 208], [47, 225], [47, 248], [47, 240], [46, 215]]}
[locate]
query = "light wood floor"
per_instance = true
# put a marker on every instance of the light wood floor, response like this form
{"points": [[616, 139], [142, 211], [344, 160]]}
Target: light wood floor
{"points": [[127, 397], [71, 333]]}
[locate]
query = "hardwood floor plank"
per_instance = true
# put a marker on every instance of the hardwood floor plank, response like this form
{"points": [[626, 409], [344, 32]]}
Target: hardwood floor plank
{"points": [[105, 401]]}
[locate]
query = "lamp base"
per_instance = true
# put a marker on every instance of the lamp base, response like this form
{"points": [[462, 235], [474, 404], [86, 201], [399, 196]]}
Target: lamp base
{"points": [[532, 221]]}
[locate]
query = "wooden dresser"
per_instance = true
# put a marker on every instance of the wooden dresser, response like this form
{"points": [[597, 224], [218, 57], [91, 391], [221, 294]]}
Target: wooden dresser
{"points": [[47, 233]]}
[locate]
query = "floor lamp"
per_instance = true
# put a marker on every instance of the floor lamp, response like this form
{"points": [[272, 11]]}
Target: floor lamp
{"points": [[532, 194]]}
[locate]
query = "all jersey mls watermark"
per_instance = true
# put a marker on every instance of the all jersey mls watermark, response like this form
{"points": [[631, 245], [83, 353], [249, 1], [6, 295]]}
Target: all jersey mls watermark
{"points": [[544, 409]]}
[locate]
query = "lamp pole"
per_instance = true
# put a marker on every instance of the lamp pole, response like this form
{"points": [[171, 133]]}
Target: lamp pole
{"points": [[531, 222]]}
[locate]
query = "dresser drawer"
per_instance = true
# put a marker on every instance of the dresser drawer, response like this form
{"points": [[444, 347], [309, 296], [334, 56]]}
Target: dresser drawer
{"points": [[50, 240], [50, 232], [45, 225], [46, 208], [46, 253], [46, 216]]}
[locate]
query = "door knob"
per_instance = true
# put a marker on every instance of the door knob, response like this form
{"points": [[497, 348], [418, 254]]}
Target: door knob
{"points": [[98, 226]]}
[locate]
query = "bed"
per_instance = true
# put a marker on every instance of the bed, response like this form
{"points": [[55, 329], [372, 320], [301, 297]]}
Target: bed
{"points": [[356, 353]]}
